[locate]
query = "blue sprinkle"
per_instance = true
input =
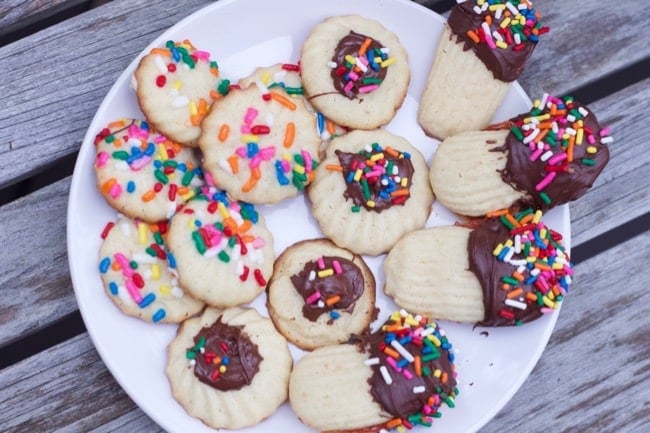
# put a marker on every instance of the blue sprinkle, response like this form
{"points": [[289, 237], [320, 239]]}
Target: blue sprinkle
{"points": [[198, 223], [158, 316], [402, 363], [151, 149], [427, 349], [144, 125], [181, 167], [406, 155], [503, 254], [225, 360], [405, 340], [389, 337], [171, 260], [321, 122], [112, 286], [350, 177], [452, 357], [157, 164], [252, 149], [130, 186], [104, 265], [446, 345], [279, 174], [530, 280], [147, 300], [334, 314]]}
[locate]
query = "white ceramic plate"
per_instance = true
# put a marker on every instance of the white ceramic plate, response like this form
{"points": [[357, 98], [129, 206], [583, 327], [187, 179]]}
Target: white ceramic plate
{"points": [[241, 35]]}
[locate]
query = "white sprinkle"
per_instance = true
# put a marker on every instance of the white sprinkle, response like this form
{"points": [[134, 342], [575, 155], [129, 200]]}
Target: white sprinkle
{"points": [[606, 140], [171, 209], [361, 66], [540, 145], [180, 101], [371, 361], [512, 9], [583, 111], [403, 312], [320, 304], [521, 269], [402, 351], [517, 39], [530, 137], [419, 389], [544, 100], [477, 9], [547, 155], [386, 375], [497, 36], [385, 50], [177, 292], [570, 131], [535, 272], [515, 304], [261, 87], [517, 244], [236, 253], [332, 64], [509, 254], [279, 76], [160, 64], [427, 331], [571, 118], [211, 252], [521, 262], [144, 259]]}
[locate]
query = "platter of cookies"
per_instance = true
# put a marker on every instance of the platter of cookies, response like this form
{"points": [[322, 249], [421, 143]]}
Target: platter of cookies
{"points": [[308, 216]]}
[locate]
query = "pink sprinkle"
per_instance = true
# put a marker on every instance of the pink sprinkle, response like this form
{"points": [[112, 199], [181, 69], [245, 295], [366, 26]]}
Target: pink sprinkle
{"points": [[321, 263], [209, 180], [266, 153], [124, 264], [353, 76], [203, 55], [140, 162], [251, 114], [557, 158], [427, 410], [348, 86], [258, 243], [313, 298], [102, 158], [255, 161], [337, 267], [546, 310], [133, 291], [286, 167], [160, 139], [234, 205], [605, 131], [241, 152], [391, 361], [369, 88], [407, 374], [591, 139], [536, 154], [115, 190], [245, 129], [306, 156], [544, 182]]}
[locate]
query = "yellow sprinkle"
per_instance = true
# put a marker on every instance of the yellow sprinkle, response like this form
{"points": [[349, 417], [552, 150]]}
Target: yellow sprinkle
{"points": [[177, 84], [505, 22], [377, 156], [286, 157], [548, 302], [299, 169], [389, 61], [223, 211], [537, 217], [222, 369], [164, 290], [542, 233], [591, 150], [497, 7], [437, 372], [370, 203], [188, 195], [325, 273], [155, 271], [496, 251], [557, 266], [509, 243], [501, 44], [190, 223], [580, 135], [357, 175], [193, 110], [162, 151], [142, 234], [404, 182], [410, 320], [249, 138], [350, 59], [434, 340], [265, 78]]}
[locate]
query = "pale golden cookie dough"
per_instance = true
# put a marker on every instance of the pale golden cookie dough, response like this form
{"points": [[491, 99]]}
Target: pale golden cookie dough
{"points": [[333, 325], [365, 110], [234, 408], [355, 227]]}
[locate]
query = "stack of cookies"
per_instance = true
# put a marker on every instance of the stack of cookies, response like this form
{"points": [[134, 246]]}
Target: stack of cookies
{"points": [[190, 244]]}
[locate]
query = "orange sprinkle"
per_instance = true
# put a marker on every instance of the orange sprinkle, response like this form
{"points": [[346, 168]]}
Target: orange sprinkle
{"points": [[473, 36], [518, 291], [334, 167], [417, 364], [391, 328], [245, 226], [115, 266], [224, 131], [195, 119], [233, 161], [161, 52], [555, 290], [330, 127], [506, 286], [247, 239], [531, 296], [176, 147], [394, 423], [392, 152], [541, 135], [214, 95], [118, 142], [542, 266], [517, 276], [231, 224], [400, 192], [444, 377], [364, 47], [214, 71], [255, 176], [512, 220], [569, 150], [525, 220], [392, 353], [106, 186], [182, 190], [488, 20], [282, 100], [289, 134], [332, 300], [117, 124], [203, 106], [311, 176], [148, 196], [496, 213]]}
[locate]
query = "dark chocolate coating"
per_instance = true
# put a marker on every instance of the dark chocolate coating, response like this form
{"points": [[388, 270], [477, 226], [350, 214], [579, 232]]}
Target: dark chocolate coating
{"points": [[350, 45]]}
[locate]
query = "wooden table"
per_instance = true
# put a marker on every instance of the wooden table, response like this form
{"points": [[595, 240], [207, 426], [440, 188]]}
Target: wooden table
{"points": [[59, 59]]}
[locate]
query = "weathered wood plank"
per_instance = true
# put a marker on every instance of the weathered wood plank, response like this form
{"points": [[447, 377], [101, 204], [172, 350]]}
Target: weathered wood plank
{"points": [[15, 13], [622, 191], [52, 107], [594, 374], [35, 279], [599, 353]]}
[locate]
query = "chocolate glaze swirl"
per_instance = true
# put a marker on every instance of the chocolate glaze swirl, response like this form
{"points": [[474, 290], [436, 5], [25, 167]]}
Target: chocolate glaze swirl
{"points": [[354, 190], [349, 285], [226, 341], [505, 64], [349, 45], [523, 174]]}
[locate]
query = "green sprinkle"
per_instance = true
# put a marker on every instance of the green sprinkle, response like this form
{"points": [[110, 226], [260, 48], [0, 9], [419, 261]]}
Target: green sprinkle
{"points": [[294, 90], [151, 252], [110, 138], [298, 159], [517, 133], [431, 356], [187, 178], [523, 214], [299, 184], [426, 371], [190, 354], [133, 264], [219, 226], [506, 223], [545, 198], [198, 242], [223, 256], [162, 178], [224, 87], [158, 238], [355, 209], [214, 64], [370, 80], [170, 163], [436, 415], [510, 280], [450, 402], [120, 154], [232, 241], [588, 161], [366, 189]]}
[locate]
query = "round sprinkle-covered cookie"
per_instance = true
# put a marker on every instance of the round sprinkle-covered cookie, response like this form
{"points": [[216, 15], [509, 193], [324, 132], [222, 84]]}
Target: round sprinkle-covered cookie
{"points": [[260, 144], [141, 173], [320, 294], [509, 270], [287, 76], [230, 368], [139, 273], [355, 71], [176, 86], [371, 189], [397, 377], [223, 250], [548, 156]]}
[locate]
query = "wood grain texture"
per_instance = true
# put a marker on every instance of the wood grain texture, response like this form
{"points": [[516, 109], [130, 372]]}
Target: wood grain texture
{"points": [[592, 377], [52, 107], [35, 279], [622, 191], [21, 12]]}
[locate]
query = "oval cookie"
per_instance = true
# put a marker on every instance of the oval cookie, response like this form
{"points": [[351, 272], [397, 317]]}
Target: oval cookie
{"points": [[141, 173], [229, 368], [371, 189], [320, 294], [260, 144], [355, 71], [140, 276], [400, 375], [176, 86], [509, 270], [223, 250]]}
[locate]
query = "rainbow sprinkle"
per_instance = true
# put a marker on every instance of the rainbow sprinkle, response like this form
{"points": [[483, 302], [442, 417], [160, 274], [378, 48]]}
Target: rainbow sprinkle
{"points": [[507, 24], [414, 349], [543, 270], [551, 131]]}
